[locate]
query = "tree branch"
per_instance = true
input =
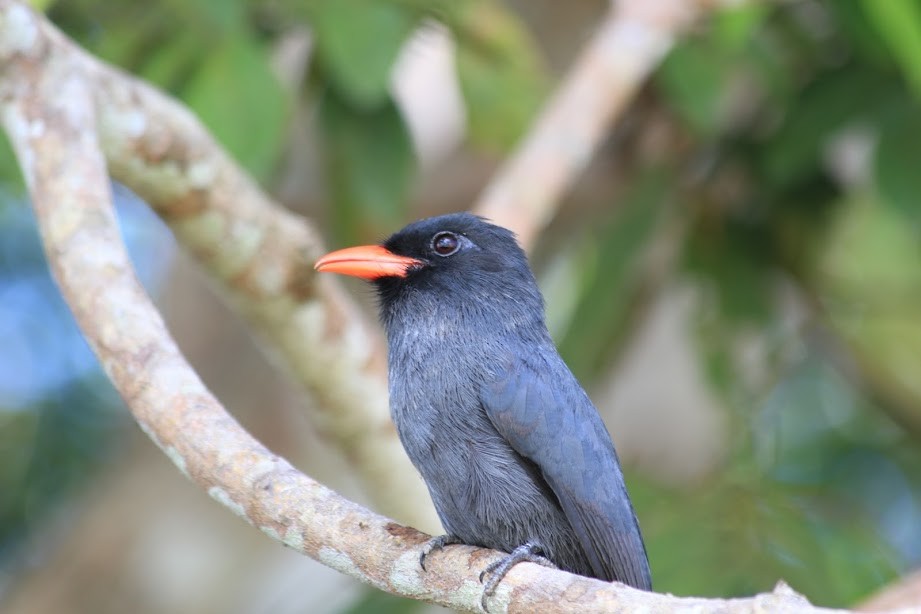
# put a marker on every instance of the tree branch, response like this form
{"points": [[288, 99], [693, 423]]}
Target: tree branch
{"points": [[48, 110], [627, 47]]}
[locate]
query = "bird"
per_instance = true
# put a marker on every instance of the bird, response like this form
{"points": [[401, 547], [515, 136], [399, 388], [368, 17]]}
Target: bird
{"points": [[514, 454]]}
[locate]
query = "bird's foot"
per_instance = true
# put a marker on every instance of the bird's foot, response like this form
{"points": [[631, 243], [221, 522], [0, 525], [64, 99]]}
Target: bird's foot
{"points": [[435, 544], [527, 553]]}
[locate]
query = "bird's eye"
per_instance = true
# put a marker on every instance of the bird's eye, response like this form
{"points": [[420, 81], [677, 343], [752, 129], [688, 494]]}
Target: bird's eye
{"points": [[445, 243]]}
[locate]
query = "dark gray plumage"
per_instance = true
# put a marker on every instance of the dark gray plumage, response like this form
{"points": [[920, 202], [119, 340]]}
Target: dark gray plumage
{"points": [[509, 444]]}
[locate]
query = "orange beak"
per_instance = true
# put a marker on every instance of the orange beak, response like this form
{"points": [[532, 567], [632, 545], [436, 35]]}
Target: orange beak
{"points": [[367, 262]]}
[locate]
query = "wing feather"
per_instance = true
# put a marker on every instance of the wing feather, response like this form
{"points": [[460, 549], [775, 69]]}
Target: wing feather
{"points": [[557, 427]]}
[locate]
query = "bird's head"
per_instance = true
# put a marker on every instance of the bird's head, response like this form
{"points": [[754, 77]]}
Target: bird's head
{"points": [[457, 259]]}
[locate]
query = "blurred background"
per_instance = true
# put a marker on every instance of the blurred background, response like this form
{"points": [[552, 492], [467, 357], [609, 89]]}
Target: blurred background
{"points": [[735, 279]]}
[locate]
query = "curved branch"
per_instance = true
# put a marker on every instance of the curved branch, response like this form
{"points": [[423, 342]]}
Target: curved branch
{"points": [[627, 47], [260, 254]]}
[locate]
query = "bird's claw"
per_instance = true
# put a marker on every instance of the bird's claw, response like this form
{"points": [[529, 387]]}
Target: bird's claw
{"points": [[526, 553], [435, 544]]}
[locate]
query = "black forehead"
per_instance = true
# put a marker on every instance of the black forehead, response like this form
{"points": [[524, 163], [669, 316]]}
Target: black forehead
{"points": [[418, 234]]}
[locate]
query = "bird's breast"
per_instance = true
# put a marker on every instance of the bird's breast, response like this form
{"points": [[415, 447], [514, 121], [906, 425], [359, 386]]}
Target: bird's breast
{"points": [[483, 490]]}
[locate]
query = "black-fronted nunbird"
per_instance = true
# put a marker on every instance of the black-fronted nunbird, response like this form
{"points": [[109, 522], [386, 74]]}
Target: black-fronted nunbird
{"points": [[514, 454]]}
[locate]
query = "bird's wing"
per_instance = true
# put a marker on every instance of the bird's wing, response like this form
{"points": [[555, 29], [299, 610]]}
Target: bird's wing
{"points": [[547, 417]]}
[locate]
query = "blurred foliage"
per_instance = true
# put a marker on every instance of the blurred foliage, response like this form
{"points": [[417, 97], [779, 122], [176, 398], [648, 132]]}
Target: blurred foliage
{"points": [[51, 448], [609, 272], [369, 166], [809, 120], [786, 189], [500, 74], [380, 602], [219, 63], [357, 43], [60, 418]]}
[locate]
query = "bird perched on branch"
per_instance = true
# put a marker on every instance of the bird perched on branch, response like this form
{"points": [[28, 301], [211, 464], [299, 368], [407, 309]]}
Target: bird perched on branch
{"points": [[513, 452]]}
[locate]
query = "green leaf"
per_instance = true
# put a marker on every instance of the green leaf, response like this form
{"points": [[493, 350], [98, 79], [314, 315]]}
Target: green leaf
{"points": [[895, 162], [736, 260], [357, 43], [828, 104], [124, 46], [10, 174], [609, 265], [500, 75], [693, 77], [372, 601], [734, 27], [41, 5], [899, 23], [223, 15], [236, 95], [873, 254], [871, 284], [369, 166], [170, 63], [856, 29]]}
